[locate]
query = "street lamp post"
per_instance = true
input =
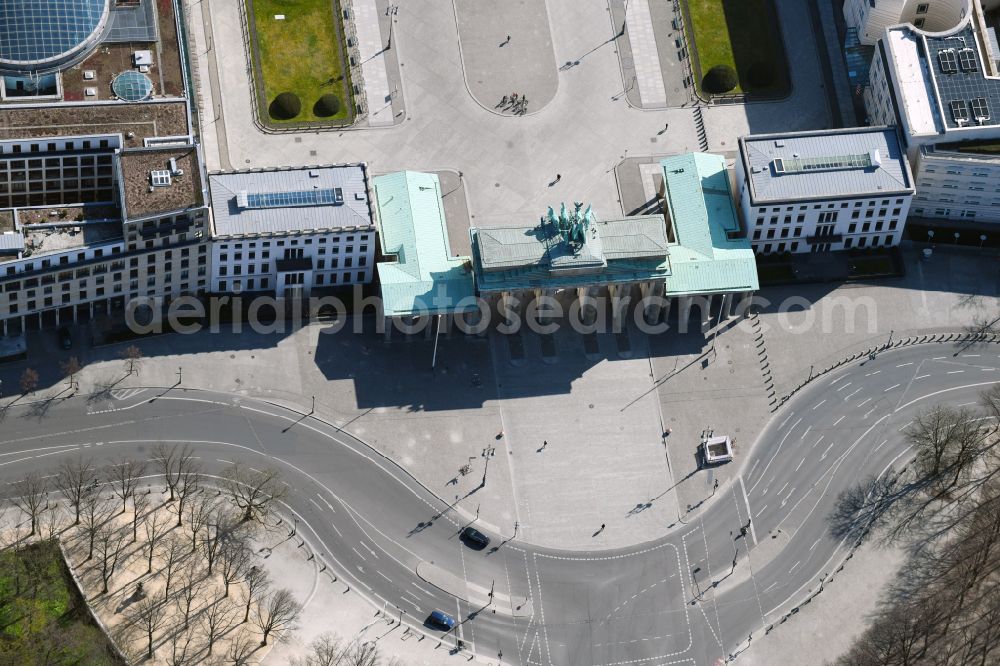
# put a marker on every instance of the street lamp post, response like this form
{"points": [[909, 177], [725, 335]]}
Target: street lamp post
{"points": [[956, 237], [982, 239]]}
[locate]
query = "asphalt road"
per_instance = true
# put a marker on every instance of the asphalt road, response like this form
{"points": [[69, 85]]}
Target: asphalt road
{"points": [[690, 597]]}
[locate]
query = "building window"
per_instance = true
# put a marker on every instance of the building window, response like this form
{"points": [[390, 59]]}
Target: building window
{"points": [[793, 247], [756, 234], [923, 7], [222, 285]]}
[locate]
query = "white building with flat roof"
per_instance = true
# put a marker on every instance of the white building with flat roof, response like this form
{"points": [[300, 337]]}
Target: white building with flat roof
{"points": [[288, 231], [936, 74], [823, 190]]}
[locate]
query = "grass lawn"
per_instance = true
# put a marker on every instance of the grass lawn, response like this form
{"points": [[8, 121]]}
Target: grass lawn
{"points": [[43, 620], [302, 54], [744, 35]]}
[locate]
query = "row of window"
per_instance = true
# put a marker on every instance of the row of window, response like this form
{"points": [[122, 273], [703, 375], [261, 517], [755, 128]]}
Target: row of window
{"points": [[290, 254], [320, 240], [862, 242], [830, 216], [99, 292], [86, 144], [804, 207]]}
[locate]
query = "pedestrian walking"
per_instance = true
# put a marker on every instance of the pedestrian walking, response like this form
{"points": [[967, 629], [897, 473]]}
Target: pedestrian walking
{"points": [[545, 443], [715, 487], [558, 177]]}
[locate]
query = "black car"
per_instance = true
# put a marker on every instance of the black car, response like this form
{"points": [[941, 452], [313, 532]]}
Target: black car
{"points": [[474, 538], [65, 339]]}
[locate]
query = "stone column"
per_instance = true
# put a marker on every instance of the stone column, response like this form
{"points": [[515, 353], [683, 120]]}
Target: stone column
{"points": [[431, 327], [588, 310], [684, 314], [667, 302], [388, 329], [652, 310], [726, 307]]}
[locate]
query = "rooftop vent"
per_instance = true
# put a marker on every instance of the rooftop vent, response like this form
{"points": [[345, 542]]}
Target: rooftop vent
{"points": [[159, 177], [967, 59]]}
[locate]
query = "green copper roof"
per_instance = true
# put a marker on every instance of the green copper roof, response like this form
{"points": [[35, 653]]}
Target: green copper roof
{"points": [[425, 279], [710, 252]]}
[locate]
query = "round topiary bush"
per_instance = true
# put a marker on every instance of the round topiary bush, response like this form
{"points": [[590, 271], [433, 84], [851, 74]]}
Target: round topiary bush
{"points": [[761, 75], [720, 79], [326, 106], [285, 106]]}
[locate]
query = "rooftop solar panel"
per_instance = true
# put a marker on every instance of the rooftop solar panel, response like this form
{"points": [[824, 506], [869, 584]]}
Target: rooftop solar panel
{"points": [[946, 57], [967, 58], [959, 111], [36, 31], [319, 197], [981, 108]]}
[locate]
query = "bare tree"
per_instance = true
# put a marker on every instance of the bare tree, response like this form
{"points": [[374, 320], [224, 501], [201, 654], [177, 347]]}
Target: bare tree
{"points": [[183, 650], [140, 502], [174, 552], [70, 368], [96, 511], [110, 543], [218, 618], [132, 356], [252, 491], [326, 650], [256, 581], [188, 483], [362, 654], [277, 612], [29, 381], [124, 477], [166, 459], [75, 480], [201, 510], [222, 526], [30, 496], [150, 615], [241, 648], [236, 560], [155, 526], [188, 593]]}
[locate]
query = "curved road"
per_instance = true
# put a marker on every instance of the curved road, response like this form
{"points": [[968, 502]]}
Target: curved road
{"points": [[690, 597]]}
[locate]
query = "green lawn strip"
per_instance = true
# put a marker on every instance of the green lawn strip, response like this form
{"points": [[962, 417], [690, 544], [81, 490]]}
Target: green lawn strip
{"points": [[301, 54], [43, 619], [738, 33]]}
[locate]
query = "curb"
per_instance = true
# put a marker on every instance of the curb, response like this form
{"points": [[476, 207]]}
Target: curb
{"points": [[902, 342]]}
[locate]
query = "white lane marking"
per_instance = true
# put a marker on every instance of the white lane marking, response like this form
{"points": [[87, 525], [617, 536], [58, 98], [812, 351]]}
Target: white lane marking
{"points": [[760, 512], [890, 388], [819, 403], [966, 404], [921, 377], [427, 592], [782, 425], [800, 464], [937, 358], [315, 504], [884, 441], [785, 500], [954, 372], [769, 587], [776, 452], [821, 438], [795, 566], [844, 386], [783, 487], [850, 395], [953, 388], [869, 412], [839, 420], [752, 468], [325, 502], [864, 402], [903, 365], [358, 554], [753, 532], [970, 355], [384, 576], [869, 374], [808, 428], [905, 426], [827, 452], [815, 543]]}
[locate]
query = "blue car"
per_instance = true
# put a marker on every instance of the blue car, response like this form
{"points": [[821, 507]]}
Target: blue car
{"points": [[441, 620]]}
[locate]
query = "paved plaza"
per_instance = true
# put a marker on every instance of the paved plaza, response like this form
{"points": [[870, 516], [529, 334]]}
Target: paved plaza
{"points": [[507, 161]]}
